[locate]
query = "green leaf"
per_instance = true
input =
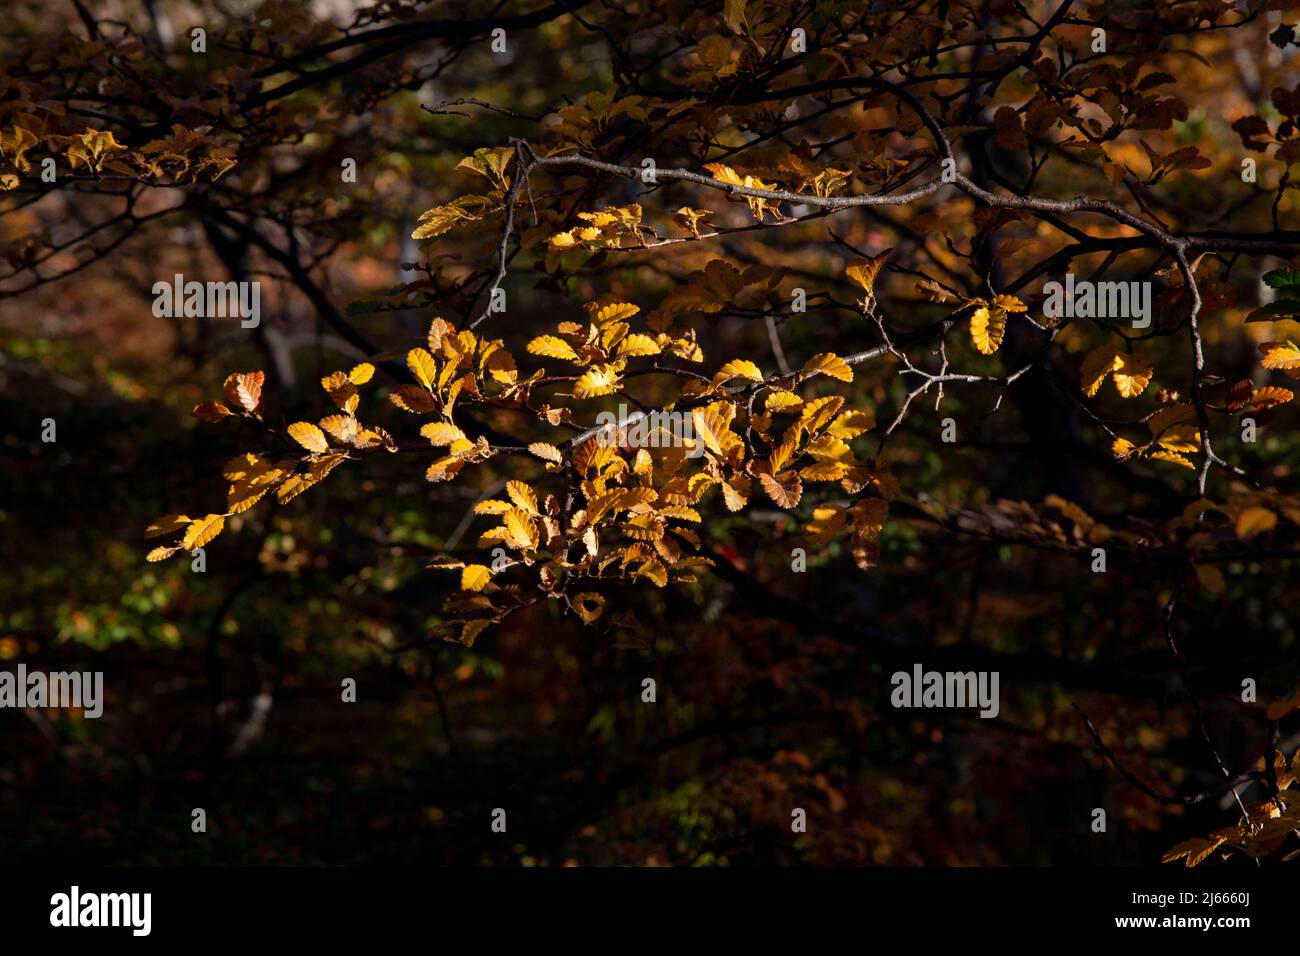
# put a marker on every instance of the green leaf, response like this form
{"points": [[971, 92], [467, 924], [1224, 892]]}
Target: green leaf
{"points": [[1283, 278]]}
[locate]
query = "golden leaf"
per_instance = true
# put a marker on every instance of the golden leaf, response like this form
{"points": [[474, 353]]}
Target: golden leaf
{"points": [[987, 327], [865, 273], [851, 424], [342, 428], [309, 436], [1132, 374], [422, 366], [441, 433], [1009, 303], [244, 390], [589, 606], [1170, 456], [523, 496], [1253, 521], [828, 363], [1097, 364], [1269, 396], [341, 391], [824, 471], [475, 577], [616, 312], [166, 525], [782, 401], [411, 398], [361, 374], [520, 533], [737, 368], [828, 521], [546, 451], [202, 530], [1281, 355], [784, 489], [551, 346], [597, 380], [211, 411], [713, 426], [819, 411], [735, 493], [637, 344]]}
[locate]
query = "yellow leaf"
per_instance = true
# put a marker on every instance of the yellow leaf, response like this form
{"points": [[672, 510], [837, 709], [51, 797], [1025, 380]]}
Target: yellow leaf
{"points": [[523, 496], [1281, 355], [546, 451], [342, 428], [475, 577], [341, 391], [202, 530], [589, 606], [830, 448], [852, 424], [434, 222], [551, 346], [597, 380], [737, 368], [782, 401], [616, 312], [1122, 449], [361, 373], [824, 471], [422, 366], [1132, 373], [721, 171], [636, 345], [865, 273], [987, 327], [819, 411], [159, 554], [1255, 521], [166, 525], [520, 533], [1171, 456], [244, 389], [1097, 364], [713, 426], [309, 436], [827, 523], [828, 363], [441, 433]]}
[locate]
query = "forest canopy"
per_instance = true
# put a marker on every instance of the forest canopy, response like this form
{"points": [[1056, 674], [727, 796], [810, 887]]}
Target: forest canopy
{"points": [[505, 357]]}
